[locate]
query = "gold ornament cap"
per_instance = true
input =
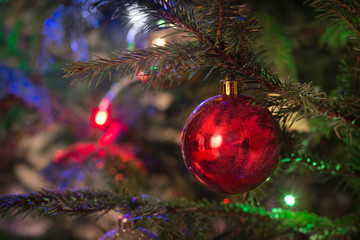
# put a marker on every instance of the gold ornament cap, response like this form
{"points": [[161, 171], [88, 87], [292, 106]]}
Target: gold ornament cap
{"points": [[230, 87]]}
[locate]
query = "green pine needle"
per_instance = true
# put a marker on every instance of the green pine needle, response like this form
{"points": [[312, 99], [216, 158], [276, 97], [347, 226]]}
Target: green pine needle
{"points": [[194, 215]]}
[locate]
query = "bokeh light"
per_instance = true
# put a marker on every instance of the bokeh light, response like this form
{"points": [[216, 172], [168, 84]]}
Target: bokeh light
{"points": [[289, 200], [159, 42], [101, 118]]}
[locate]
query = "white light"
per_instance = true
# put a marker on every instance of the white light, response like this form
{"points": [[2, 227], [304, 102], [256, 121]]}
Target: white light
{"points": [[289, 200], [159, 42], [101, 118]]}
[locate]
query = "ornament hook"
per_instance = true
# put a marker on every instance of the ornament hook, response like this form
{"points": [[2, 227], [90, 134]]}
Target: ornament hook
{"points": [[230, 87]]}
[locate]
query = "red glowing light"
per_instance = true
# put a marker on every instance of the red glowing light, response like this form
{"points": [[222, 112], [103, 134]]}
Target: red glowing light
{"points": [[226, 201], [112, 133], [102, 153], [80, 152], [142, 76], [59, 155], [101, 117], [84, 150]]}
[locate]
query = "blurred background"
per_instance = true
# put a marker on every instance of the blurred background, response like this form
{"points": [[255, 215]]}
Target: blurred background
{"points": [[58, 134]]}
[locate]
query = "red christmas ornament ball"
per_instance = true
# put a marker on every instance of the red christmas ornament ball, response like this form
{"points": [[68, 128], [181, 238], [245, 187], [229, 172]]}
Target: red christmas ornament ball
{"points": [[230, 144]]}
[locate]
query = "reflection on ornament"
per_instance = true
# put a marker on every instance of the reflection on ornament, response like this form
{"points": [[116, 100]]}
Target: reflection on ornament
{"points": [[215, 141], [230, 143]]}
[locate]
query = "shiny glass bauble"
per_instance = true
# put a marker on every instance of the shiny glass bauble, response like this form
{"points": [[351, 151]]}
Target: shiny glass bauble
{"points": [[230, 144]]}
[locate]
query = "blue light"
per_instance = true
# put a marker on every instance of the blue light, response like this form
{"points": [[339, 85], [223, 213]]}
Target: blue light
{"points": [[74, 45]]}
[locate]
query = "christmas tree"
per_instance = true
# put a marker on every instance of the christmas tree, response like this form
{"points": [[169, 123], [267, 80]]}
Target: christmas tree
{"points": [[121, 153]]}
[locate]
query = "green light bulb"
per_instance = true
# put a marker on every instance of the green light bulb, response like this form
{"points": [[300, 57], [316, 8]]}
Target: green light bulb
{"points": [[289, 200]]}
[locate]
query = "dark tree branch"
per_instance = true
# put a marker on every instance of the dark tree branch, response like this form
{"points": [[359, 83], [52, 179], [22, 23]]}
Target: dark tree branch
{"points": [[347, 7], [355, 79], [344, 19], [220, 22]]}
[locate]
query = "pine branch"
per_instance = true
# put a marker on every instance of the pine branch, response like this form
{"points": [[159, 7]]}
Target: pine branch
{"points": [[48, 202], [166, 59], [356, 71], [176, 12], [239, 33], [220, 22], [335, 37], [349, 69], [275, 48], [183, 17], [303, 98], [341, 12], [323, 166]]}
